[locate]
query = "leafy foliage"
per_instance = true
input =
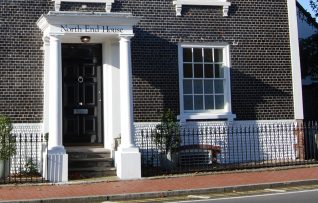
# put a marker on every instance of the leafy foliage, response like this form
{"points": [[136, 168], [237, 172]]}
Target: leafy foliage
{"points": [[167, 132], [309, 56], [31, 169], [314, 6], [7, 141]]}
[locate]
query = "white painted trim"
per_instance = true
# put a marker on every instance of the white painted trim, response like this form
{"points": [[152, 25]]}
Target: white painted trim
{"points": [[295, 60], [47, 22], [205, 116], [46, 87], [224, 3], [111, 91], [152, 125], [107, 2], [107, 95], [22, 128], [226, 113]]}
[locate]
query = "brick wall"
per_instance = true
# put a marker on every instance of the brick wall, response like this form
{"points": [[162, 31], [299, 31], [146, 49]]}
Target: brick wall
{"points": [[260, 72], [21, 69]]}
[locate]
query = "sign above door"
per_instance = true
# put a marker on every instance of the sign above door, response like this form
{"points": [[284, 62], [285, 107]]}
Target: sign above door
{"points": [[93, 29], [99, 23]]}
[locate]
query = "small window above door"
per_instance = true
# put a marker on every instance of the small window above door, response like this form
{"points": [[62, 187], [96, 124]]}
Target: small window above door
{"points": [[222, 3], [108, 3]]}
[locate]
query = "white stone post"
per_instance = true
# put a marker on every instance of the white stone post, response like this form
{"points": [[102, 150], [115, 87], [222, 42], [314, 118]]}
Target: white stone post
{"points": [[128, 158], [57, 157]]}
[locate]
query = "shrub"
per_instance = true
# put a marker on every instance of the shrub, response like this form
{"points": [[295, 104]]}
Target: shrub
{"points": [[167, 132], [7, 141]]}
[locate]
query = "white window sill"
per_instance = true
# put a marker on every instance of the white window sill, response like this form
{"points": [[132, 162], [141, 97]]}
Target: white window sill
{"points": [[206, 116], [223, 3]]}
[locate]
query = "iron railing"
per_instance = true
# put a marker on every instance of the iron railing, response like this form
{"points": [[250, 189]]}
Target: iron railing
{"points": [[27, 159], [229, 146]]}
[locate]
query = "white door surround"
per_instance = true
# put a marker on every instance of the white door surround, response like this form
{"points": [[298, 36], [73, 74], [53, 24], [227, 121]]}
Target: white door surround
{"points": [[114, 31]]}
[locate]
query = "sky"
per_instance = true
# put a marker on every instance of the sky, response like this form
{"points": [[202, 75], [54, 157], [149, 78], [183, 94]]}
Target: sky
{"points": [[306, 5]]}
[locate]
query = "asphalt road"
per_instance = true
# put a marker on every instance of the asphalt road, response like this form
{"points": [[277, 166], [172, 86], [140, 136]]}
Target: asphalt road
{"points": [[310, 196]]}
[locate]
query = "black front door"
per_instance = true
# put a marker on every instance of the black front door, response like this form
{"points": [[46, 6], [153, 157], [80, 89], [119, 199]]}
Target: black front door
{"points": [[82, 89]]}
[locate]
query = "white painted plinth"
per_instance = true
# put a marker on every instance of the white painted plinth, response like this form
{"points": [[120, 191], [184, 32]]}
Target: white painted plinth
{"points": [[128, 163], [57, 166]]}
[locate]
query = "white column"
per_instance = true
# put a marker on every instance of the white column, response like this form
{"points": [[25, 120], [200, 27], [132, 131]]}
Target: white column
{"points": [[57, 157], [126, 97], [55, 112], [295, 61], [128, 158]]}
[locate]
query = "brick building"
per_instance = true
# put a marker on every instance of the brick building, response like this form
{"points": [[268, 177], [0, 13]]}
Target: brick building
{"points": [[88, 71]]}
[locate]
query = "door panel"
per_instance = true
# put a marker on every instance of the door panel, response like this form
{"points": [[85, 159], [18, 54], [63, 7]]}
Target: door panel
{"points": [[90, 94], [81, 85]]}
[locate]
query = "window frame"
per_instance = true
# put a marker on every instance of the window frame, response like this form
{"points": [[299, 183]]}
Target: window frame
{"points": [[221, 114], [222, 3], [108, 3]]}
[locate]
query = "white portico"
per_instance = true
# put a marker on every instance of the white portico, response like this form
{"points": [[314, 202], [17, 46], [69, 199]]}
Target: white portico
{"points": [[114, 31]]}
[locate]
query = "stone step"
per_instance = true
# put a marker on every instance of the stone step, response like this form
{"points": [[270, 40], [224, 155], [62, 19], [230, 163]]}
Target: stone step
{"points": [[93, 169], [73, 175], [85, 153], [80, 155], [91, 162], [86, 149]]}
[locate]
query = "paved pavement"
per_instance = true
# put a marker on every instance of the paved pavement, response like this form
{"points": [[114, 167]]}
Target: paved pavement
{"points": [[147, 188], [309, 196]]}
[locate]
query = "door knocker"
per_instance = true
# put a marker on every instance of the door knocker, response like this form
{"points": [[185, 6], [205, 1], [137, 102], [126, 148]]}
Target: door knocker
{"points": [[80, 79]]}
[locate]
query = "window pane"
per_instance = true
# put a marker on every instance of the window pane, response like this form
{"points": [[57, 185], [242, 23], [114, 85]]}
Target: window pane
{"points": [[218, 55], [187, 86], [219, 102], [198, 102], [208, 55], [187, 70], [208, 70], [219, 71], [208, 86], [187, 55], [198, 71], [218, 84], [197, 55], [198, 86], [209, 102], [188, 102]]}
